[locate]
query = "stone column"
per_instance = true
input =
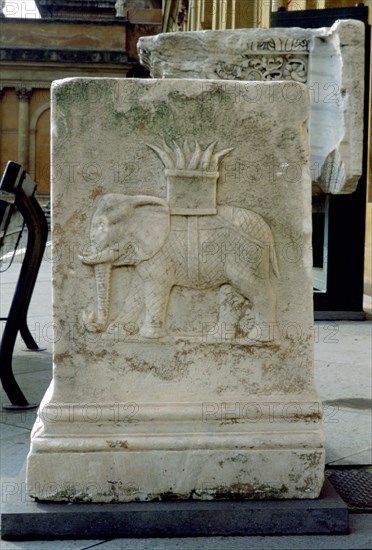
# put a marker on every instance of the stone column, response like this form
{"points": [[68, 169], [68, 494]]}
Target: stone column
{"points": [[23, 95]]}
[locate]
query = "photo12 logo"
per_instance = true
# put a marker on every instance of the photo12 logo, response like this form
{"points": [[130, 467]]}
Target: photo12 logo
{"points": [[25, 9]]}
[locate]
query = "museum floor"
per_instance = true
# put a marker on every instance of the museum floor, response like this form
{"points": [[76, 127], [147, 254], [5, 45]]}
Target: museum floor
{"points": [[343, 373]]}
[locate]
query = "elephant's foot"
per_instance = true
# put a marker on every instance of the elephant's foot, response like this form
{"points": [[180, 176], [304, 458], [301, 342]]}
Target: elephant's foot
{"points": [[91, 323], [258, 337], [263, 332], [128, 328], [152, 331], [95, 327]]}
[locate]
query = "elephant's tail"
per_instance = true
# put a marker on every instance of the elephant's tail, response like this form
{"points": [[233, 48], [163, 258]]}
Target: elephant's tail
{"points": [[274, 261]]}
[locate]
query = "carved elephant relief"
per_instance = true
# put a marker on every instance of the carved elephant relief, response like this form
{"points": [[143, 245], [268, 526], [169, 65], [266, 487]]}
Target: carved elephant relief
{"points": [[234, 247]]}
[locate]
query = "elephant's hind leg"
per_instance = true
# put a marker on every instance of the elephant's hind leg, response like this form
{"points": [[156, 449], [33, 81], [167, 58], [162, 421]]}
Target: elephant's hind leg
{"points": [[262, 297], [231, 307], [264, 307]]}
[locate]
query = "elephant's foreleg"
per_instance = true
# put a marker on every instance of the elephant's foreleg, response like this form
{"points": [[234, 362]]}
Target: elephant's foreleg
{"points": [[156, 304], [97, 322], [127, 320]]}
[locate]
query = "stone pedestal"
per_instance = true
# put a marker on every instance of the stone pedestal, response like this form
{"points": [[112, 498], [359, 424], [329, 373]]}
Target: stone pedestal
{"points": [[183, 355]]}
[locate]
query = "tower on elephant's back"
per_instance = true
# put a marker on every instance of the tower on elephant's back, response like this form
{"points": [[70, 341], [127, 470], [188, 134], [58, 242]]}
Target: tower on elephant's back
{"points": [[192, 175]]}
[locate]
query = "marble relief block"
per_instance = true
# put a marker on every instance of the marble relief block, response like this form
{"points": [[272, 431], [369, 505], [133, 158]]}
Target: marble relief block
{"points": [[329, 60], [183, 361]]}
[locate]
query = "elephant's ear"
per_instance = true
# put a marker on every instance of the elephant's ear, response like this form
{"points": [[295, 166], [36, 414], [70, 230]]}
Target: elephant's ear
{"points": [[151, 225]]}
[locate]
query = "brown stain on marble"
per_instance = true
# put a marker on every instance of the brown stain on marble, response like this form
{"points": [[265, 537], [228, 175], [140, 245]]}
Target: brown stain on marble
{"points": [[170, 370], [79, 216], [59, 358], [97, 192], [118, 444], [230, 421]]}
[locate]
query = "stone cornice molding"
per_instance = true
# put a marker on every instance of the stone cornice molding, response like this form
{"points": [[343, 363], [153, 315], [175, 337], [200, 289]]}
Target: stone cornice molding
{"points": [[42, 55], [63, 21], [56, 8], [40, 84]]}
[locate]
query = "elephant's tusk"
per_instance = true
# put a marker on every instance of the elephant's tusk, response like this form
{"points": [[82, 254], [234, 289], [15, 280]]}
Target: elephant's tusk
{"points": [[106, 256], [88, 260]]}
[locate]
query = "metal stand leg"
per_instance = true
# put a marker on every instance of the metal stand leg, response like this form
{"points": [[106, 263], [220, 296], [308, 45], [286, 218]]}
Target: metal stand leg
{"points": [[28, 338], [37, 238]]}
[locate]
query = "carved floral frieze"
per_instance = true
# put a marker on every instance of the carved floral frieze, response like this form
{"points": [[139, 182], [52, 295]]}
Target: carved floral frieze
{"points": [[279, 67]]}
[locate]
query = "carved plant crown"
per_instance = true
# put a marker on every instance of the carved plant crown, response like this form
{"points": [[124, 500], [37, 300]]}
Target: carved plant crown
{"points": [[186, 158]]}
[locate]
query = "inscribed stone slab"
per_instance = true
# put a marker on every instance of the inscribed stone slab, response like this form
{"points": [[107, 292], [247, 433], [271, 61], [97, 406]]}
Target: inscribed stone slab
{"points": [[329, 60]]}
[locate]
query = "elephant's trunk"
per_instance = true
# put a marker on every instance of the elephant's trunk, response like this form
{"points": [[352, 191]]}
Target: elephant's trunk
{"points": [[102, 273]]}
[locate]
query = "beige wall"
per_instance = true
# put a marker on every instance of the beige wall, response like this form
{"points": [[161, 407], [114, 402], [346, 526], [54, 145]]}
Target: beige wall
{"points": [[25, 121], [39, 165], [38, 136], [9, 126], [46, 34], [25, 127]]}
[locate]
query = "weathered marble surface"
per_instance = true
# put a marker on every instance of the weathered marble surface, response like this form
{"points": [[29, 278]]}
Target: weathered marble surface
{"points": [[183, 341], [329, 60]]}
